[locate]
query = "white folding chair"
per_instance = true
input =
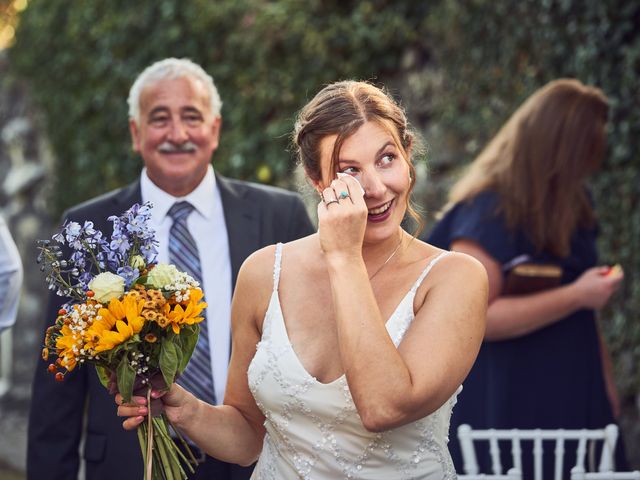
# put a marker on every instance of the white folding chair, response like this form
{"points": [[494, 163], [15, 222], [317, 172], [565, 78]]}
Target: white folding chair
{"points": [[466, 436], [581, 475], [512, 474]]}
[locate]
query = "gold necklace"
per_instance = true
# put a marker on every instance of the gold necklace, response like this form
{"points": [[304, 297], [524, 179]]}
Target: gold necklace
{"points": [[387, 260]]}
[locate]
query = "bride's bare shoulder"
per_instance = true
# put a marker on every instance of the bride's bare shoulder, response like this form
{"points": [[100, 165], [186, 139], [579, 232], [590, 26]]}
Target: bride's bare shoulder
{"points": [[303, 247], [259, 266], [450, 265]]}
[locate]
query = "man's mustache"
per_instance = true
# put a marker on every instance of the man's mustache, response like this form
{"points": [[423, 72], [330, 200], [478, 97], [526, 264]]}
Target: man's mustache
{"points": [[186, 147]]}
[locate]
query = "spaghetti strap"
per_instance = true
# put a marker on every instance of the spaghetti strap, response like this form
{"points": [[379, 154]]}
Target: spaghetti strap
{"points": [[427, 269], [276, 266]]}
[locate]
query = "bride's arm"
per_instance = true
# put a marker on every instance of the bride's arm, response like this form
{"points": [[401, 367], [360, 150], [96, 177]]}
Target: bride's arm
{"points": [[392, 387]]}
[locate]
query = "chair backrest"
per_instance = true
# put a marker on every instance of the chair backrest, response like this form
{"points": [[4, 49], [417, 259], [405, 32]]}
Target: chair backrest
{"points": [[466, 436], [578, 475], [512, 474]]}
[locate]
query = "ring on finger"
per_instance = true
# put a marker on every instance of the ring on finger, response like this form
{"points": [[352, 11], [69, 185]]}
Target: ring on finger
{"points": [[326, 204], [343, 195]]}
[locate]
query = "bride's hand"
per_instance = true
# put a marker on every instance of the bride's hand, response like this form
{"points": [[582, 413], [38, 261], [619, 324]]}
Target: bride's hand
{"points": [[342, 218], [171, 403], [136, 410]]}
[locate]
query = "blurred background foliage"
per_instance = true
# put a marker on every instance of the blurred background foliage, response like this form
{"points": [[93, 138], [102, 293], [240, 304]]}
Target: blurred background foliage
{"points": [[461, 67], [266, 58], [9, 14]]}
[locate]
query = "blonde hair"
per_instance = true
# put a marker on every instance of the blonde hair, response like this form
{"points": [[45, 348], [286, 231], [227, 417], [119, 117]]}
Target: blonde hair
{"points": [[538, 163], [340, 109]]}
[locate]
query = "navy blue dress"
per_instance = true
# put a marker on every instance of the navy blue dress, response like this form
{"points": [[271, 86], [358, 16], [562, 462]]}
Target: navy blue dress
{"points": [[551, 378]]}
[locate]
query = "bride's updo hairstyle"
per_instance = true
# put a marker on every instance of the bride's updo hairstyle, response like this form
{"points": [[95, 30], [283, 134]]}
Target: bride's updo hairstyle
{"points": [[340, 109]]}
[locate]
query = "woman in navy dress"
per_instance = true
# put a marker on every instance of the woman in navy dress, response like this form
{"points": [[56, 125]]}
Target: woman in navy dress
{"points": [[524, 200]]}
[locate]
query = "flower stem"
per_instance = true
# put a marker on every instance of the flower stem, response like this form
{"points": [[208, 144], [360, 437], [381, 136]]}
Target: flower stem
{"points": [[192, 459], [142, 439], [150, 439], [175, 451], [166, 464]]}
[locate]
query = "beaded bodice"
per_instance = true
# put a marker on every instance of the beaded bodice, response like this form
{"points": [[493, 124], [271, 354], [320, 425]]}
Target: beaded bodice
{"points": [[313, 429]]}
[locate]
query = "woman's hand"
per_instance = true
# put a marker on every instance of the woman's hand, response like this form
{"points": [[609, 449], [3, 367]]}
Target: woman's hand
{"points": [[171, 402], [594, 287], [342, 218]]}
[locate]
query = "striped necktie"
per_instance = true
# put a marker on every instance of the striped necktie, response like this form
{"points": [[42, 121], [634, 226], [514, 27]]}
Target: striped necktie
{"points": [[183, 253]]}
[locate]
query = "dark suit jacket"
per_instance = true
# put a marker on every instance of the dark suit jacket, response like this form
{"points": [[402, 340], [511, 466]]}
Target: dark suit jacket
{"points": [[256, 216]]}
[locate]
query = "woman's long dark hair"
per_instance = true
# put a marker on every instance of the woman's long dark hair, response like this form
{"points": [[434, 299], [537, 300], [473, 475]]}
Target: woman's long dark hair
{"points": [[538, 163]]}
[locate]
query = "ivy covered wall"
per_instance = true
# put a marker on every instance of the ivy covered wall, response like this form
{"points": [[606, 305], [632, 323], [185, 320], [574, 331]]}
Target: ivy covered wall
{"points": [[267, 59]]}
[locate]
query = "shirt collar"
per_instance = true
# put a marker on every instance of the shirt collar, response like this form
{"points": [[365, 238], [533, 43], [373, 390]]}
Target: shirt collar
{"points": [[202, 197]]}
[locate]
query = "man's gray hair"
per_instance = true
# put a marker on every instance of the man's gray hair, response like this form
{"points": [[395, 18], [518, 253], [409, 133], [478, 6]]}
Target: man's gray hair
{"points": [[169, 69]]}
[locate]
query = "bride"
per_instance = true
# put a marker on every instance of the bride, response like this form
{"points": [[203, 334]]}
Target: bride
{"points": [[350, 345]]}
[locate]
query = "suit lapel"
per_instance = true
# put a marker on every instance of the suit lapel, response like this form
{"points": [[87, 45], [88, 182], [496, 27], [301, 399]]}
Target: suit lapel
{"points": [[243, 226], [130, 194], [115, 205]]}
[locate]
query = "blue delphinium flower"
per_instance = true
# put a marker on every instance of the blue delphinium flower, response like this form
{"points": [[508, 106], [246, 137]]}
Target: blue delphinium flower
{"points": [[133, 235], [83, 281], [91, 252], [58, 237], [73, 231], [129, 274], [78, 259]]}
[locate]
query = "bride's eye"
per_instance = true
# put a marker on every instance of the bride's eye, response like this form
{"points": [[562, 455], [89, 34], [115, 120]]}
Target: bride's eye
{"points": [[386, 159], [349, 171]]}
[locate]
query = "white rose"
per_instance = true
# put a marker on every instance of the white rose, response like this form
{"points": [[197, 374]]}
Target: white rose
{"points": [[107, 286], [162, 275]]}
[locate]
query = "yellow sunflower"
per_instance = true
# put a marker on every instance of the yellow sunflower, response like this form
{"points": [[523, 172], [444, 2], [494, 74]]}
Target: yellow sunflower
{"points": [[189, 315], [68, 347], [119, 322]]}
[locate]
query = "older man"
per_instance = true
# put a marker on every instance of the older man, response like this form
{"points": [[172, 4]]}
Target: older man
{"points": [[174, 118]]}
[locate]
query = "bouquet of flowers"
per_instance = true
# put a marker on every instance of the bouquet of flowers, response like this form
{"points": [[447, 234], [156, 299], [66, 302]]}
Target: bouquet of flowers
{"points": [[135, 320]]}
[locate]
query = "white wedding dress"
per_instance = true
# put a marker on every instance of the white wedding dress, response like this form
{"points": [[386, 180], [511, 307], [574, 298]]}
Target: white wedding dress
{"points": [[313, 429]]}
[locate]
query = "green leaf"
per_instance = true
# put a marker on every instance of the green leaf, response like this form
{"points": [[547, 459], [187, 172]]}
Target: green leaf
{"points": [[179, 358], [168, 361], [126, 376], [104, 375], [188, 340]]}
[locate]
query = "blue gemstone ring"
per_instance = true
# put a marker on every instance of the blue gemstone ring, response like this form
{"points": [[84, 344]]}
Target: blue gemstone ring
{"points": [[343, 195]]}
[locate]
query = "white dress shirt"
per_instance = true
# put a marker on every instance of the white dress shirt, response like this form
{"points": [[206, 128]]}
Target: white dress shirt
{"points": [[10, 277], [207, 226]]}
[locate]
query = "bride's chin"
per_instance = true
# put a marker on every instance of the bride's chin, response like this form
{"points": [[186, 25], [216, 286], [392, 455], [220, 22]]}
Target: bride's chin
{"points": [[373, 237]]}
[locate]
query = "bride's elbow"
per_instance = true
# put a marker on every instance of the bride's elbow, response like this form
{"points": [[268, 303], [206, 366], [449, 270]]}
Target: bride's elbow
{"points": [[380, 418], [374, 425], [248, 463], [249, 457], [377, 419]]}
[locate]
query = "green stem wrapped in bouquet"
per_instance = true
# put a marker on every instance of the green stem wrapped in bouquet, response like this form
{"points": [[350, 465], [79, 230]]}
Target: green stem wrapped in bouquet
{"points": [[136, 321]]}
